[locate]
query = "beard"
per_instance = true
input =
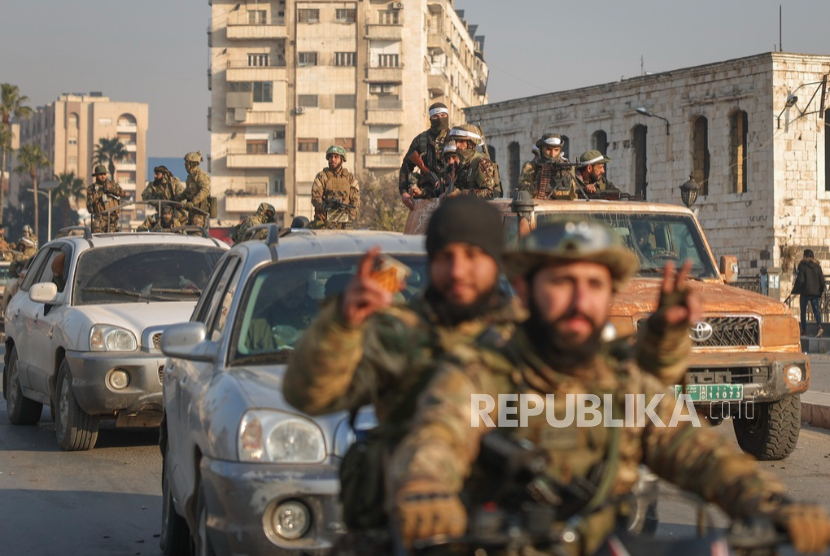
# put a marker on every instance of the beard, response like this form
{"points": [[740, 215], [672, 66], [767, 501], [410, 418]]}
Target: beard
{"points": [[554, 349], [453, 314]]}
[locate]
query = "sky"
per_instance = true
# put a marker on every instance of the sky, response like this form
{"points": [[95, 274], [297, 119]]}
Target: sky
{"points": [[155, 51]]}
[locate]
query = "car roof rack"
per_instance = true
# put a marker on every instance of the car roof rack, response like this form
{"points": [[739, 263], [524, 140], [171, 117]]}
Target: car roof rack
{"points": [[184, 229], [273, 237], [71, 231]]}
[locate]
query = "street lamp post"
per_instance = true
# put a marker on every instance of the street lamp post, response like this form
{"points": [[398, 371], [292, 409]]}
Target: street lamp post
{"points": [[48, 195], [644, 111]]}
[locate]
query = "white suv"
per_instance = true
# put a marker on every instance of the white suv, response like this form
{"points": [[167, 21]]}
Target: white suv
{"points": [[88, 345]]}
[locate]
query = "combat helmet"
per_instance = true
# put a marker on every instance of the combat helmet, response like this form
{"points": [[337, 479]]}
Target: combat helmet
{"points": [[193, 157], [265, 208], [28, 229], [336, 149], [100, 169], [467, 132], [573, 240], [449, 148]]}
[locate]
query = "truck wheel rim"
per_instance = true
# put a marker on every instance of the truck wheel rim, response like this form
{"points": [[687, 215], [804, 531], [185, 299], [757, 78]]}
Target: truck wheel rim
{"points": [[63, 406], [14, 387]]}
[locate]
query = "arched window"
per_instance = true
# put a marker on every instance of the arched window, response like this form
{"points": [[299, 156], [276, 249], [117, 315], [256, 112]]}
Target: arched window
{"points": [[491, 151], [738, 151], [566, 146], [72, 121], [700, 154], [514, 165], [599, 141], [638, 139], [126, 119]]}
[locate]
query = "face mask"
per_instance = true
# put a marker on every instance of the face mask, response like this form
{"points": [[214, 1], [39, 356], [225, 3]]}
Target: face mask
{"points": [[439, 124]]}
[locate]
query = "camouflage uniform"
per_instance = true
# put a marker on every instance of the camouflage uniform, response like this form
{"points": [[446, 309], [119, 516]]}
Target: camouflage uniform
{"points": [[156, 223], [26, 249], [165, 189], [261, 217], [429, 144], [330, 185], [196, 194], [5, 249], [477, 174], [545, 180], [101, 197]]}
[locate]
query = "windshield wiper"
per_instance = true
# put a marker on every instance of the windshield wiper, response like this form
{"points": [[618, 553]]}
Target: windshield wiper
{"points": [[280, 356], [118, 291], [188, 291]]}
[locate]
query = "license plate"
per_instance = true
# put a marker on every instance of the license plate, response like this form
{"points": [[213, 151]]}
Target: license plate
{"points": [[711, 392]]}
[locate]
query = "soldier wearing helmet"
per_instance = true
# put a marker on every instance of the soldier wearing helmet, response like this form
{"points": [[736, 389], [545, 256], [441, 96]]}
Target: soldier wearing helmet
{"points": [[546, 176], [156, 223], [428, 146], [103, 195], [567, 275], [333, 188], [195, 198], [265, 214], [477, 174], [591, 175], [26, 249]]}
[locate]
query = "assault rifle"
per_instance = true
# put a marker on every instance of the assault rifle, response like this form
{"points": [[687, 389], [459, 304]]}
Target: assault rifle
{"points": [[415, 158]]}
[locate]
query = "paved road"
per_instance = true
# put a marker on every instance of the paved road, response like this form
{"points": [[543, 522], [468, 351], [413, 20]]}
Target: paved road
{"points": [[820, 371]]}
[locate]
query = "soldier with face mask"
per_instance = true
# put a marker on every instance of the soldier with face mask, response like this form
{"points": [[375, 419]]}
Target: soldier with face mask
{"points": [[334, 187], [428, 145], [547, 176], [196, 194], [101, 195], [265, 214], [476, 174]]}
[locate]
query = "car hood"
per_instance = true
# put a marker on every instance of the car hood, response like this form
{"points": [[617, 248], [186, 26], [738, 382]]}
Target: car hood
{"points": [[138, 316], [642, 294]]}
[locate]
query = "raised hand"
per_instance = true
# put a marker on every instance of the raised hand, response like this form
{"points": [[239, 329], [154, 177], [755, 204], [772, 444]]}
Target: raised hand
{"points": [[679, 304], [364, 295]]}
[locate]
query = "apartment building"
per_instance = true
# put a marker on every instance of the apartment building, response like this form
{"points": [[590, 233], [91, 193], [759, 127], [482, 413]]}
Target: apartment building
{"points": [[290, 78], [69, 129]]}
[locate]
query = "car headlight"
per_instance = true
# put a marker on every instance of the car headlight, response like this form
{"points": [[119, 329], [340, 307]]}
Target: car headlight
{"points": [[276, 437], [105, 337]]}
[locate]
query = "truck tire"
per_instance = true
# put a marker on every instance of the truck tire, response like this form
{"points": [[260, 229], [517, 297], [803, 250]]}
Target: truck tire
{"points": [[772, 433], [75, 429], [175, 534], [22, 410]]}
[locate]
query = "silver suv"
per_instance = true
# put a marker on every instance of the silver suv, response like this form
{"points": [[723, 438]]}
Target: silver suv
{"points": [[244, 472]]}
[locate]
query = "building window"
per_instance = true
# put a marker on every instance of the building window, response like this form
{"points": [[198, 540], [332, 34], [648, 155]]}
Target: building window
{"points": [[737, 151], [72, 122], [102, 121], [389, 146], [388, 60], [639, 135], [342, 15], [256, 146], [258, 60], [279, 187], [240, 86], [307, 101], [263, 91], [344, 58], [566, 146], [73, 141], [257, 17], [345, 102], [599, 142], [73, 159], [258, 187], [307, 59], [388, 17], [307, 145], [308, 16], [345, 142], [514, 164], [382, 88], [700, 155]]}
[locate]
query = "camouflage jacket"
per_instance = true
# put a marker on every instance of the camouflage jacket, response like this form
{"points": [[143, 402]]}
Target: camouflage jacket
{"points": [[478, 176], [250, 222], [602, 185], [5, 250], [101, 197], [334, 186], [443, 446], [336, 367], [556, 182], [154, 223], [26, 247], [164, 191], [430, 146], [196, 190]]}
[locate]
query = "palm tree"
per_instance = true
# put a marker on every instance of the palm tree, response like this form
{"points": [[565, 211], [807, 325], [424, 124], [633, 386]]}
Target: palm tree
{"points": [[108, 152], [12, 107], [30, 159], [71, 189]]}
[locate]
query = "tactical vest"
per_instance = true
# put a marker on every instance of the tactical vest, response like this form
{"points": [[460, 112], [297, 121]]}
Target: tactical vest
{"points": [[337, 186]]}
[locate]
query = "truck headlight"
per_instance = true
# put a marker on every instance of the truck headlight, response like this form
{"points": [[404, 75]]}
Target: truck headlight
{"points": [[105, 337], [794, 374], [276, 437]]}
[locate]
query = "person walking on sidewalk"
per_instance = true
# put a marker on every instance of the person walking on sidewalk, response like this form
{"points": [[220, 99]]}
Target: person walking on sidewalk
{"points": [[809, 284]]}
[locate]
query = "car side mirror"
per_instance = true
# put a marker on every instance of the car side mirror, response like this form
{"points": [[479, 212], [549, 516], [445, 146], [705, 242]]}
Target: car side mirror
{"points": [[188, 340], [45, 292], [729, 268]]}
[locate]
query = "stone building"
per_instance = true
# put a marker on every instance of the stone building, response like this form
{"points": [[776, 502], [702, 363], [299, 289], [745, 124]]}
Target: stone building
{"points": [[290, 78], [761, 161]]}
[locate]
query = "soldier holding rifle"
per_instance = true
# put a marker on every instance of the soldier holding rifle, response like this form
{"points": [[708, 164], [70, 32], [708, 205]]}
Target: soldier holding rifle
{"points": [[425, 154], [335, 193], [103, 195]]}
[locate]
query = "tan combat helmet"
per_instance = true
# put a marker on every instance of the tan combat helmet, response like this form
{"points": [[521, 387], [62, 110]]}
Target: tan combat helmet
{"points": [[194, 157], [467, 132]]}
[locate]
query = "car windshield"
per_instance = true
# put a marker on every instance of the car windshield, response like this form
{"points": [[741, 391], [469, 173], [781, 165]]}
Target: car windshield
{"points": [[283, 298], [143, 272], [654, 237]]}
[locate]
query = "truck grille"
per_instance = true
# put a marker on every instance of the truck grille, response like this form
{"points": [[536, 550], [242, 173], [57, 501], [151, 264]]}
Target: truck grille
{"points": [[728, 331], [157, 341]]}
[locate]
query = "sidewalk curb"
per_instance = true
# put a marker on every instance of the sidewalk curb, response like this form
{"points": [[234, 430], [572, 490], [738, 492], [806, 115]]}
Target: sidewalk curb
{"points": [[815, 414]]}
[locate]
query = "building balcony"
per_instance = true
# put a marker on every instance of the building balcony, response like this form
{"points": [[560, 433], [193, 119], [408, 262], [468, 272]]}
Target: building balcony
{"points": [[130, 147], [383, 112], [242, 72], [437, 41], [254, 118], [125, 166], [382, 160], [242, 30], [437, 84], [435, 6], [245, 161], [384, 32], [248, 204], [384, 74], [126, 128]]}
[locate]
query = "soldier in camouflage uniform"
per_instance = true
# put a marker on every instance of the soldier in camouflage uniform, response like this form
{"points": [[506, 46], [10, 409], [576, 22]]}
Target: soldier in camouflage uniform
{"points": [[26, 249], [265, 214], [477, 174], [5, 249], [196, 194], [332, 186], [103, 194], [154, 223], [429, 145], [165, 187], [544, 176], [590, 176], [567, 274]]}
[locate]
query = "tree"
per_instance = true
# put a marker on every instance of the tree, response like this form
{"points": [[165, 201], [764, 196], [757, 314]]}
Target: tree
{"points": [[30, 159], [108, 152], [71, 190], [380, 204], [12, 107]]}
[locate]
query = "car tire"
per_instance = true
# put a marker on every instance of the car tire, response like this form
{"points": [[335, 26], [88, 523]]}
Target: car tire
{"points": [[75, 429], [772, 432], [22, 410], [175, 534], [201, 540]]}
